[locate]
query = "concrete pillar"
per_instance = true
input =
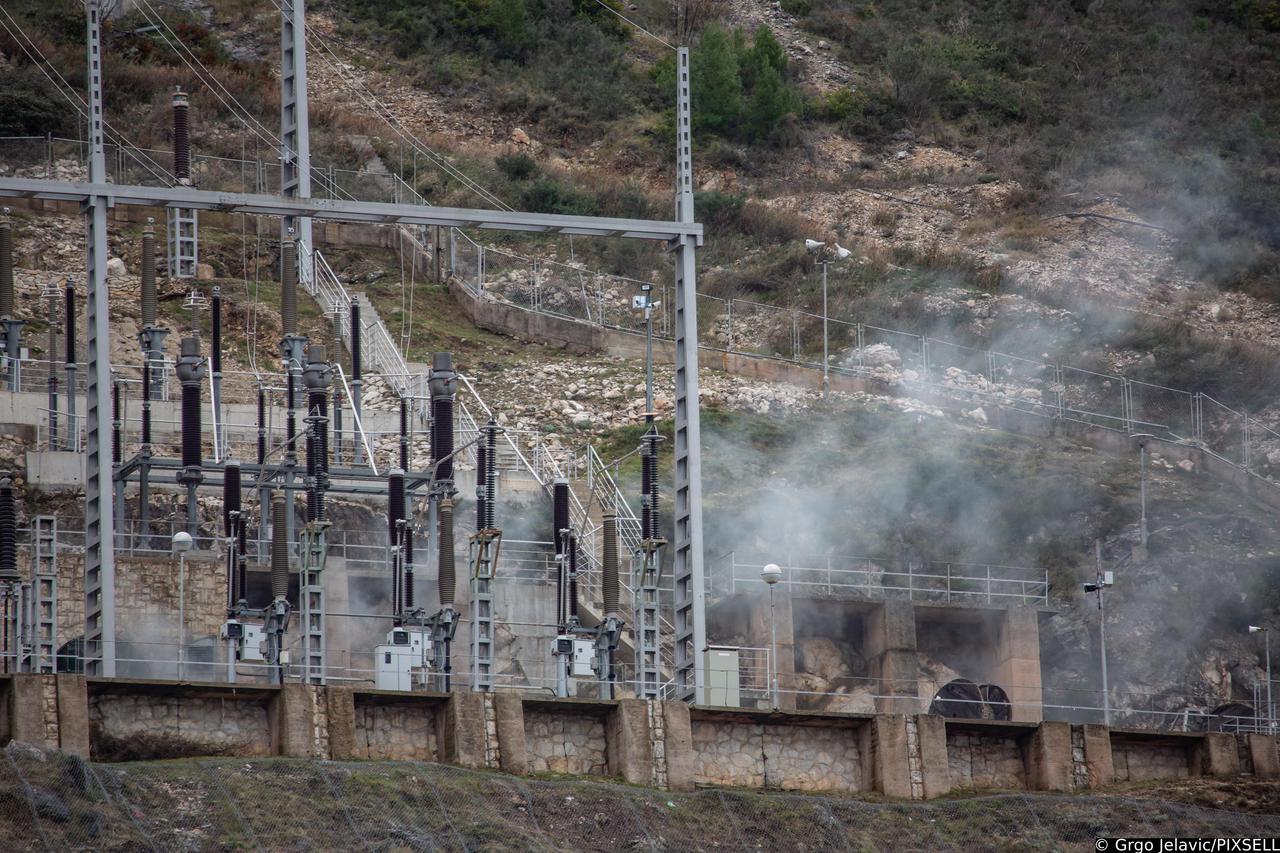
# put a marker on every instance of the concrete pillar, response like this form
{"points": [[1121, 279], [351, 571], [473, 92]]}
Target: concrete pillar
{"points": [[935, 764], [890, 645], [783, 629], [462, 730], [1017, 667], [509, 711], [678, 745], [293, 716], [1098, 761], [340, 705], [73, 714], [1262, 749], [1218, 756], [1049, 757], [885, 765], [629, 747], [27, 710]]}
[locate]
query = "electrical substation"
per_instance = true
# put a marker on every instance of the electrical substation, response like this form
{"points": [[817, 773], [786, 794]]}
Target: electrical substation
{"points": [[309, 555]]}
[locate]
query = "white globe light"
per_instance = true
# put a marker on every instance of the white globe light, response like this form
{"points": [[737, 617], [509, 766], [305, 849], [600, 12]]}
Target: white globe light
{"points": [[771, 574], [181, 542]]}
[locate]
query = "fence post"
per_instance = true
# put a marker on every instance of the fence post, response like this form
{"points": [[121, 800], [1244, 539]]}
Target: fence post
{"points": [[729, 338], [988, 584], [48, 155], [948, 583], [924, 357], [1062, 390], [860, 345], [1245, 418]]}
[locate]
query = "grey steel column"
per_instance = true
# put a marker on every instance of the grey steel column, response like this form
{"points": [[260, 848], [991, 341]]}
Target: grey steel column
{"points": [[295, 129], [99, 558], [690, 595]]}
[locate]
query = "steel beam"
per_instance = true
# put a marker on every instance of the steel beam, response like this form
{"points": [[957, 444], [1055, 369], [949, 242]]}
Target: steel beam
{"points": [[342, 210], [99, 524], [690, 592], [295, 131]]}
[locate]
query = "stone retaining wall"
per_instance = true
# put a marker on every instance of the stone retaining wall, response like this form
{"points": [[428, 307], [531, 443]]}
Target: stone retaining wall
{"points": [[562, 742], [791, 757], [985, 761], [396, 730], [194, 724], [1139, 761], [658, 743]]}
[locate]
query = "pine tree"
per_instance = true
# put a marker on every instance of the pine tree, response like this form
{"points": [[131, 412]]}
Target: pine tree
{"points": [[716, 83]]}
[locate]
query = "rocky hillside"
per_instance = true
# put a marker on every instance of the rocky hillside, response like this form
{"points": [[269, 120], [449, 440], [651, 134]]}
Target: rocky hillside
{"points": [[52, 801]]}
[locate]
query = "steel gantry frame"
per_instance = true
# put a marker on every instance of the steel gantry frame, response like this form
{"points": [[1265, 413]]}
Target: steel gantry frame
{"points": [[97, 196], [99, 520], [690, 592]]}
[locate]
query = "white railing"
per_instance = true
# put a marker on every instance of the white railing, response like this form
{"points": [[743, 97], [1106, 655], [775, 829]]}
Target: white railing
{"points": [[838, 575]]}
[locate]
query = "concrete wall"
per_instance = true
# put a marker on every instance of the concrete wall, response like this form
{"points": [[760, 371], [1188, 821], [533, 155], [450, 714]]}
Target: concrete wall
{"points": [[663, 744], [1140, 759]]}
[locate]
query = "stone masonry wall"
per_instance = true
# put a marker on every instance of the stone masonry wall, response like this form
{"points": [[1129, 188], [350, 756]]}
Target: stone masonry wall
{"points": [[984, 761], [398, 731], [559, 742], [796, 758], [1139, 762], [218, 725]]}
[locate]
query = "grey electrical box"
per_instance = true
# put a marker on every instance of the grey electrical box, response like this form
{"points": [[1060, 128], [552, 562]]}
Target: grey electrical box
{"points": [[723, 676]]}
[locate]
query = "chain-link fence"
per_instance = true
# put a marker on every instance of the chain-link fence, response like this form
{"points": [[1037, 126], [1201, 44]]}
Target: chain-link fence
{"points": [[50, 801]]}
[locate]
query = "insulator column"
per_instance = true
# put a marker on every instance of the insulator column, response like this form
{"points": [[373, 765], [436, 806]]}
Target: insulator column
{"points": [[357, 384], [395, 532], [12, 325], [191, 372], [482, 494], [609, 568], [116, 442], [279, 549], [448, 571], [316, 378], [289, 287], [232, 525], [181, 138], [215, 356], [444, 385], [69, 341], [8, 531], [51, 350]]}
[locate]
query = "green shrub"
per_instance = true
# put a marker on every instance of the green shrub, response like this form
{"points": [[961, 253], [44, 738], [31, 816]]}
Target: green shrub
{"points": [[517, 167], [798, 8], [719, 211], [547, 195], [29, 109]]}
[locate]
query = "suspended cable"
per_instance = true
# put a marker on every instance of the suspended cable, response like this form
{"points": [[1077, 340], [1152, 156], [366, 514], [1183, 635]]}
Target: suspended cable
{"points": [[73, 97], [658, 39]]}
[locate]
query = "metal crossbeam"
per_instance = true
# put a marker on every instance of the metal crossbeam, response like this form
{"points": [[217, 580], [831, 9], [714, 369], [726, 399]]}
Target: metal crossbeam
{"points": [[343, 210]]}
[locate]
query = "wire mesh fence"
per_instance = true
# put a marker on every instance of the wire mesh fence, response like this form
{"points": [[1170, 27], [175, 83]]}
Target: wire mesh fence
{"points": [[50, 801]]}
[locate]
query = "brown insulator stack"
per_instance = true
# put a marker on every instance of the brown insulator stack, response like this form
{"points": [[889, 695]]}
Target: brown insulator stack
{"points": [[448, 573], [279, 549], [609, 570]]}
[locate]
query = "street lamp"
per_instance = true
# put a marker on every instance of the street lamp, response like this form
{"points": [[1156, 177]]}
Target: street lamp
{"points": [[841, 253], [1142, 438], [771, 574], [181, 544], [1266, 632], [1102, 580]]}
